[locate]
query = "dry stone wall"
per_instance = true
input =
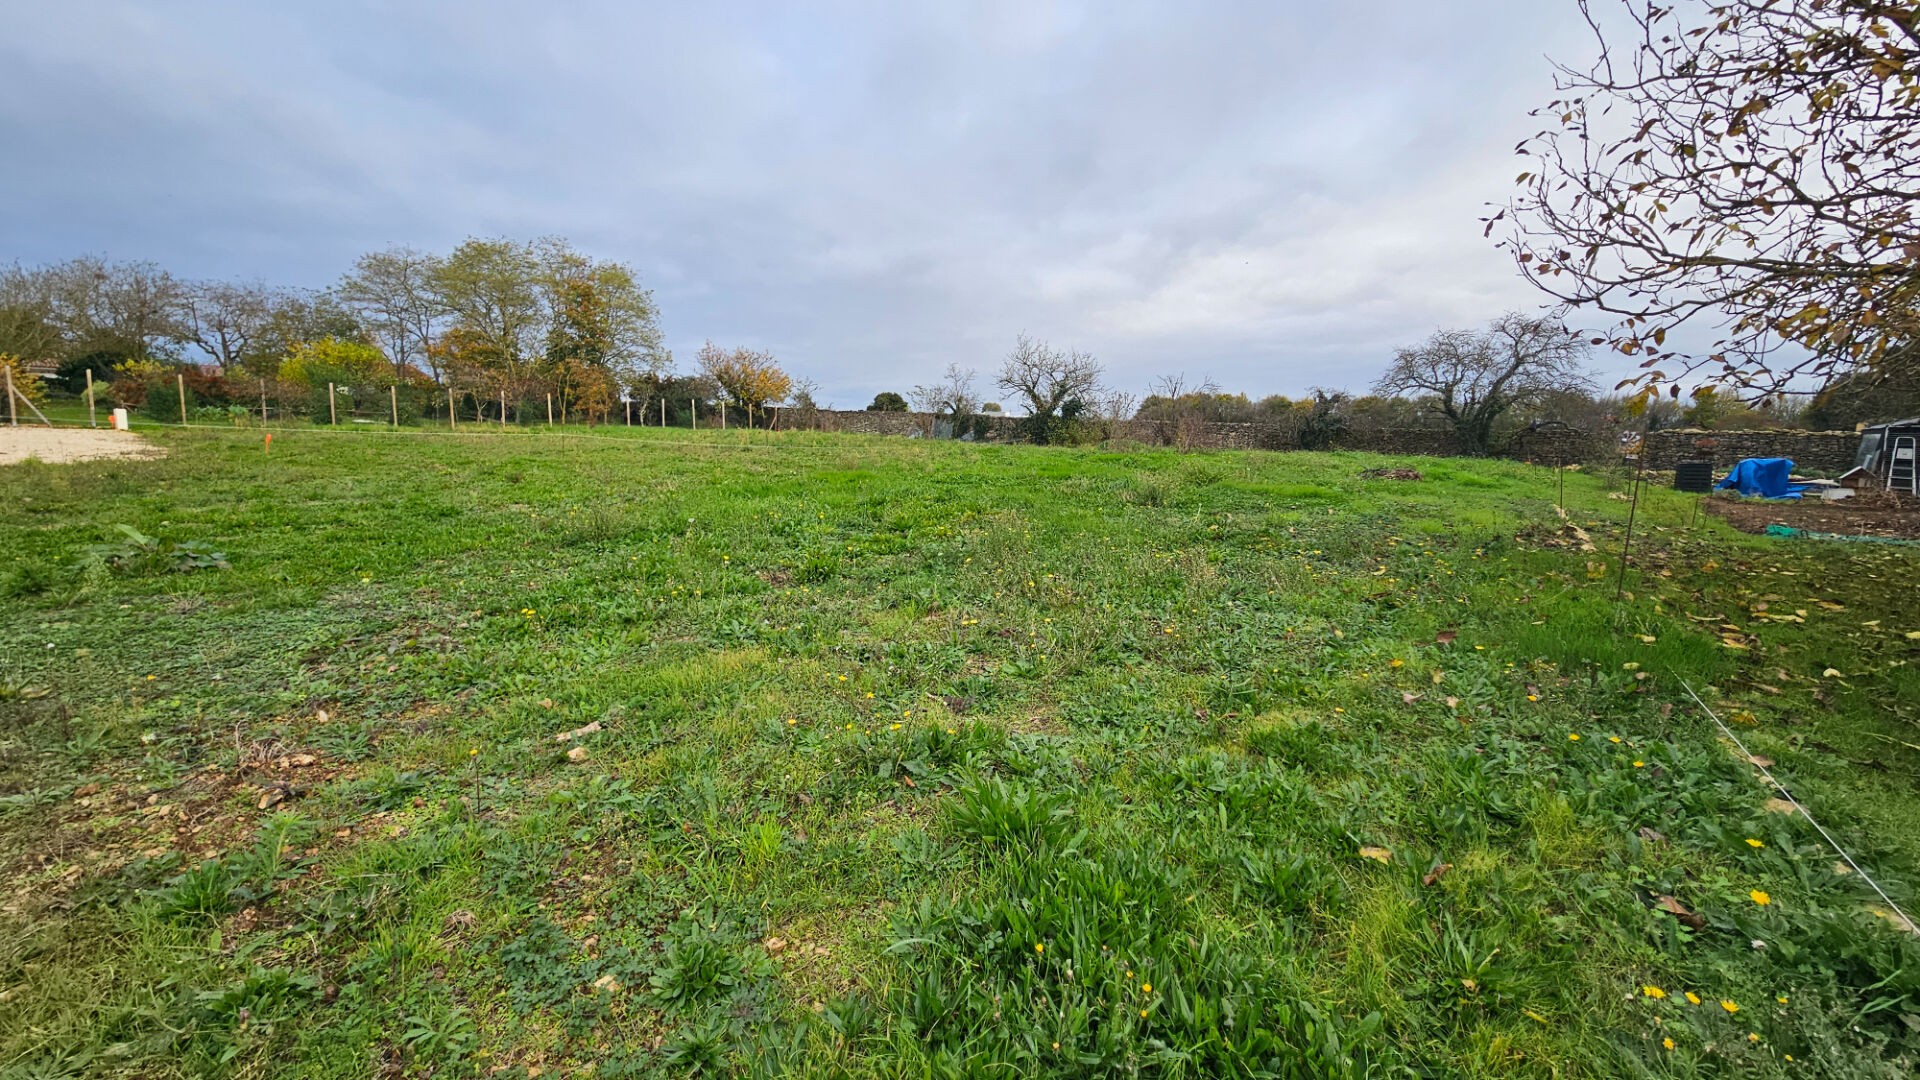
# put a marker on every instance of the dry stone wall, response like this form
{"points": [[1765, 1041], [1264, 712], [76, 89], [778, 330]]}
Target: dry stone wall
{"points": [[1828, 452], [1544, 447]]}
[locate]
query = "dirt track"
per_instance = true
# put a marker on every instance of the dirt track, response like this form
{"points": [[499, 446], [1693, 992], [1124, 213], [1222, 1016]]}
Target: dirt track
{"points": [[59, 445]]}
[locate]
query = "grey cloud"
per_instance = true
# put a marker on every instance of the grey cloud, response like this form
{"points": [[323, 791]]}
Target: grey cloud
{"points": [[1275, 194]]}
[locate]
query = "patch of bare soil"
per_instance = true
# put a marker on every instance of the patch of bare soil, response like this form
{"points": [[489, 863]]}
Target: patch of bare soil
{"points": [[1870, 513], [57, 446]]}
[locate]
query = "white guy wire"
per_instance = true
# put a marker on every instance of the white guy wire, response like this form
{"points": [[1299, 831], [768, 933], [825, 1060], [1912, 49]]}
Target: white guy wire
{"points": [[1782, 789]]}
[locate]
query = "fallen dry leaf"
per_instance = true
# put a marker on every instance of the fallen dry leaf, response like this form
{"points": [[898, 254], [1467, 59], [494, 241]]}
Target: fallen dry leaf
{"points": [[1408, 698], [1377, 854], [576, 733], [774, 945], [1652, 836], [1779, 806], [1445, 637], [1453, 702], [1436, 873], [577, 755], [1761, 760], [1679, 911]]}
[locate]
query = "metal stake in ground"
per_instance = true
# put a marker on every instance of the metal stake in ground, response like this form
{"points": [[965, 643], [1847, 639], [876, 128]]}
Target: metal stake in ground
{"points": [[1627, 544]]}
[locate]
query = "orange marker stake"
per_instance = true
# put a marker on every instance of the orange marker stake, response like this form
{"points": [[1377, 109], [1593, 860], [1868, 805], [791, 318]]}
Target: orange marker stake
{"points": [[269, 443]]}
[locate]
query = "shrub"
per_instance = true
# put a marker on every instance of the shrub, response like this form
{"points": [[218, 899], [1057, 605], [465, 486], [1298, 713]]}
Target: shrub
{"points": [[30, 385]]}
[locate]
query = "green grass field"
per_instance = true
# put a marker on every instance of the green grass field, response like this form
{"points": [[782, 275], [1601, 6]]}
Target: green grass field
{"points": [[932, 760]]}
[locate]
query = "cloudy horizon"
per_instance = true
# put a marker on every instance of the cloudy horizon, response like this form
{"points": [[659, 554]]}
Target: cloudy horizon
{"points": [[1274, 196]]}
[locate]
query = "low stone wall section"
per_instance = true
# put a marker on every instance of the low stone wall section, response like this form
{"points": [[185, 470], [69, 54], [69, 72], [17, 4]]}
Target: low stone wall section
{"points": [[1827, 452]]}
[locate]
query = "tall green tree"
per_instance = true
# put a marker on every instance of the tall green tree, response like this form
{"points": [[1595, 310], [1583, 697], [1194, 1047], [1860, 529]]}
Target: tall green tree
{"points": [[490, 292]]}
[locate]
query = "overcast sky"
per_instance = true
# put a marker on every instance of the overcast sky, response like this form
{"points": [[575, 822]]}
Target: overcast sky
{"points": [[1274, 194]]}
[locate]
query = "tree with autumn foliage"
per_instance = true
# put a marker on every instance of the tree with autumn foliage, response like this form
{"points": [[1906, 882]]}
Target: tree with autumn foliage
{"points": [[748, 377], [1748, 166]]}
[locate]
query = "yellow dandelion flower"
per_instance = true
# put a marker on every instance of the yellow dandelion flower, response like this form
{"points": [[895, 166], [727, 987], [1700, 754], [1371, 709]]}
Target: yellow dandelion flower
{"points": [[1613, 738], [1039, 948], [1782, 999], [1753, 1036], [1146, 988], [1396, 663], [1693, 998], [1752, 843], [1143, 1013], [1639, 764], [1571, 736], [1653, 992], [1760, 897], [1729, 1006], [1668, 1043]]}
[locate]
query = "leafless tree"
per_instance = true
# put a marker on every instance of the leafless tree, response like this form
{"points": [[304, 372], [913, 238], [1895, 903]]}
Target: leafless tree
{"points": [[1475, 378], [955, 399], [1052, 383], [1749, 165], [133, 309], [226, 320], [393, 293]]}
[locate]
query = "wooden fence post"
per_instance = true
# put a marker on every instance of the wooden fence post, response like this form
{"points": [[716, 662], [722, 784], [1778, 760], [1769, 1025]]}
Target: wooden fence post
{"points": [[629, 412], [263, 402], [694, 404], [180, 387], [333, 416], [503, 410], [452, 424], [393, 399], [663, 411], [549, 410], [91, 422], [12, 420]]}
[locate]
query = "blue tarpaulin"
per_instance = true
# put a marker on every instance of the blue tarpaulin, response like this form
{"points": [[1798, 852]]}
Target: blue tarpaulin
{"points": [[1765, 477]]}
